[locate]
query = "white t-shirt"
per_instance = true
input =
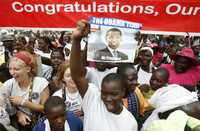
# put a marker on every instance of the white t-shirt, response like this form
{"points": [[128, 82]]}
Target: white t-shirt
{"points": [[97, 118], [143, 76], [47, 125], [41, 53], [94, 76], [4, 117], [73, 100], [12, 88], [47, 71]]}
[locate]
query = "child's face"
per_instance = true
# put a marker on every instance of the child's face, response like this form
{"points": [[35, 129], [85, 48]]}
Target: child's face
{"points": [[57, 117], [131, 79], [111, 94], [157, 81]]}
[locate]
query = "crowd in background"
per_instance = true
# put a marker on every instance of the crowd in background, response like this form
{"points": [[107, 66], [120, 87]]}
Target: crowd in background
{"points": [[39, 83]]}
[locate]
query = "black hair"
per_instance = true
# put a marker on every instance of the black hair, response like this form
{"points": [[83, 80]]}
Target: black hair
{"points": [[46, 40], [114, 29], [60, 50], [164, 73], [4, 73], [112, 77], [22, 39], [54, 101], [141, 52], [123, 67]]}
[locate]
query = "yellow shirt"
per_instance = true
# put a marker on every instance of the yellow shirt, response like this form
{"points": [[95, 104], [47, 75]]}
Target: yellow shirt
{"points": [[144, 105]]}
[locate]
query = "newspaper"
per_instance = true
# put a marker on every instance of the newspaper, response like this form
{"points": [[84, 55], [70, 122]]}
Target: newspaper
{"points": [[112, 40]]}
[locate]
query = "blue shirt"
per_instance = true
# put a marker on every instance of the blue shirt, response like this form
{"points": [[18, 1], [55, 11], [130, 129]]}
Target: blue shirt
{"points": [[75, 124]]}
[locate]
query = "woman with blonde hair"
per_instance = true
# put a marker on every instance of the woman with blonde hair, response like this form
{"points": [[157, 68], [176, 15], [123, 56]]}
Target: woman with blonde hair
{"points": [[26, 92], [68, 91]]}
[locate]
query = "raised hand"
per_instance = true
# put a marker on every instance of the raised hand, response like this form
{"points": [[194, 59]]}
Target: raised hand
{"points": [[82, 30]]}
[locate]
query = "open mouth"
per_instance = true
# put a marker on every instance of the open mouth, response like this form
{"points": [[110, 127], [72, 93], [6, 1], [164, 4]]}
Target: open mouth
{"points": [[15, 76], [109, 105], [179, 69], [60, 126]]}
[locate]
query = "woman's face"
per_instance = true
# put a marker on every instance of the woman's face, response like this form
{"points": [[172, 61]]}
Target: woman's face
{"points": [[68, 79], [145, 58], [56, 59], [42, 45], [181, 64], [18, 69]]}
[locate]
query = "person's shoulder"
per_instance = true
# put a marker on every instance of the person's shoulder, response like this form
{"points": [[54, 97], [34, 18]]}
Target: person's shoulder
{"points": [[122, 55], [103, 54], [40, 79], [113, 70], [58, 93], [92, 90], [9, 82], [196, 69], [127, 116], [103, 50], [97, 55], [91, 93], [92, 86], [74, 122], [40, 83], [167, 66], [72, 118], [39, 126]]}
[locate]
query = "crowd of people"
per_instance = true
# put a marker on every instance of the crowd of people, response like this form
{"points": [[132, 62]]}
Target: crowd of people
{"points": [[47, 84]]}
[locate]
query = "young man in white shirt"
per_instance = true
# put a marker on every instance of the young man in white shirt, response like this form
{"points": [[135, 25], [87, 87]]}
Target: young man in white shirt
{"points": [[103, 110]]}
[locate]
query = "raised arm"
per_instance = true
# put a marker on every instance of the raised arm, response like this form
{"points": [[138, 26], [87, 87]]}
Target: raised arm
{"points": [[77, 74]]}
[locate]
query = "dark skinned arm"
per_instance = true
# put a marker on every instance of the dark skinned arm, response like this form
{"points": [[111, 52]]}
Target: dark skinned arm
{"points": [[191, 109], [61, 38], [77, 74]]}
